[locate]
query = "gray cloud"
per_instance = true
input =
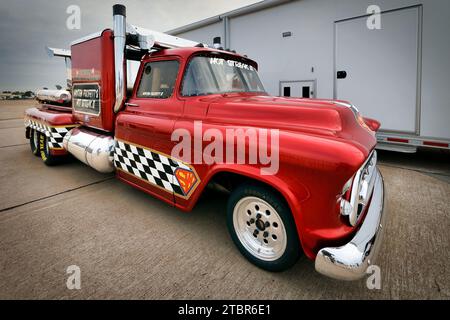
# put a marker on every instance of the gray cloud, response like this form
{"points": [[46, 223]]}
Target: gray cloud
{"points": [[26, 27]]}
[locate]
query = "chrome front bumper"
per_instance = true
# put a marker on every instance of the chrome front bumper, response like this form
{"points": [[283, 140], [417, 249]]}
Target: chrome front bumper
{"points": [[350, 261]]}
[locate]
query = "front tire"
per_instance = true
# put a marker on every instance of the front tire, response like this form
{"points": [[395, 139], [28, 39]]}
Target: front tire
{"points": [[262, 227]]}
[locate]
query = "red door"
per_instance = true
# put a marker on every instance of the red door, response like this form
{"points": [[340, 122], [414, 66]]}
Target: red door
{"points": [[144, 129]]}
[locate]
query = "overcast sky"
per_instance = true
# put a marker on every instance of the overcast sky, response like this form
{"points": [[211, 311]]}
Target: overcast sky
{"points": [[27, 26]]}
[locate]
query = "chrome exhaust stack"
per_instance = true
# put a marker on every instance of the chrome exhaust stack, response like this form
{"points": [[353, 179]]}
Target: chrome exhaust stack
{"points": [[119, 28], [94, 149]]}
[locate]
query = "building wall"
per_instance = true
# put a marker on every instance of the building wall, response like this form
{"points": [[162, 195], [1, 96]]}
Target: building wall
{"points": [[205, 34], [311, 46]]}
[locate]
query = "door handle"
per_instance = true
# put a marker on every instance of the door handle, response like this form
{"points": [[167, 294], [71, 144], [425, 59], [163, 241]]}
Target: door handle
{"points": [[341, 74], [134, 105]]}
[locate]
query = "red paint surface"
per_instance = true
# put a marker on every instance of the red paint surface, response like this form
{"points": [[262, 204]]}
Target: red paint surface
{"points": [[373, 124], [51, 117], [93, 62]]}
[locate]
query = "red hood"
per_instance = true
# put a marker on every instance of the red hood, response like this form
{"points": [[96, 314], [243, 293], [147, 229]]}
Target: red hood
{"points": [[334, 119]]}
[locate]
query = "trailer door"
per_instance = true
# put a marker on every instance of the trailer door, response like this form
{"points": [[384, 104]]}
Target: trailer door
{"points": [[377, 70]]}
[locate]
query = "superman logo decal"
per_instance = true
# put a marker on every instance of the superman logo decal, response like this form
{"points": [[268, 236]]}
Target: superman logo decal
{"points": [[186, 179]]}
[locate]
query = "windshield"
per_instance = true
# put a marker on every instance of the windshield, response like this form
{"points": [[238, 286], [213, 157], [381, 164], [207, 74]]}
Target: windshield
{"points": [[209, 75]]}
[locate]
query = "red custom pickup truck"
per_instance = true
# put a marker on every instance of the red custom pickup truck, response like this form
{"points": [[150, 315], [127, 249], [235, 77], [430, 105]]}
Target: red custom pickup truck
{"points": [[322, 195]]}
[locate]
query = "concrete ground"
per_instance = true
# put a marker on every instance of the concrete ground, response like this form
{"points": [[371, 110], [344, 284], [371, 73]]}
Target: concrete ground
{"points": [[130, 245]]}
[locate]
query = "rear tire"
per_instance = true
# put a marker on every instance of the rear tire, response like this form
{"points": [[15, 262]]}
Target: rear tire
{"points": [[262, 227], [44, 151], [34, 142]]}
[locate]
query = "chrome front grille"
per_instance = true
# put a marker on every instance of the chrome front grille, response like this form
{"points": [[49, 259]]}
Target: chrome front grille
{"points": [[362, 188]]}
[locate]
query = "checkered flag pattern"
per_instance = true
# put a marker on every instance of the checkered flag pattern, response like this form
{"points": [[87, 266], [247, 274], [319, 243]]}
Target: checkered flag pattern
{"points": [[55, 134], [148, 165]]}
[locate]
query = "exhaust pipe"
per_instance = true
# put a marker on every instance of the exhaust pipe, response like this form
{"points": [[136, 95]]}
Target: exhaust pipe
{"points": [[119, 28], [95, 150]]}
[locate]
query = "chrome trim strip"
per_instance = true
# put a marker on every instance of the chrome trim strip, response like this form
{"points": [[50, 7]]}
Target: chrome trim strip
{"points": [[350, 261]]}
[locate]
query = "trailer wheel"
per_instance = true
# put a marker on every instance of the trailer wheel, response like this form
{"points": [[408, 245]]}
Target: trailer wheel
{"points": [[262, 227], [34, 142], [44, 151]]}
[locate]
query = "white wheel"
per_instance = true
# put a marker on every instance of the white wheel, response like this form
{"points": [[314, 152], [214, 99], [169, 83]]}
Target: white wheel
{"points": [[262, 227], [259, 228]]}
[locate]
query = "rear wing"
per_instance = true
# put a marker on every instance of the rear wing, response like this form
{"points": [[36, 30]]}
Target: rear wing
{"points": [[67, 55], [55, 52], [149, 39]]}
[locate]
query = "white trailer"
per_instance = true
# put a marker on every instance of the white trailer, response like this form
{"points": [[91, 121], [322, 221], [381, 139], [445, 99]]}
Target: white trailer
{"points": [[398, 74]]}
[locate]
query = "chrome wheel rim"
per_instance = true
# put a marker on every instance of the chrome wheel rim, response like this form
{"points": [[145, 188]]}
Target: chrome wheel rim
{"points": [[259, 228]]}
